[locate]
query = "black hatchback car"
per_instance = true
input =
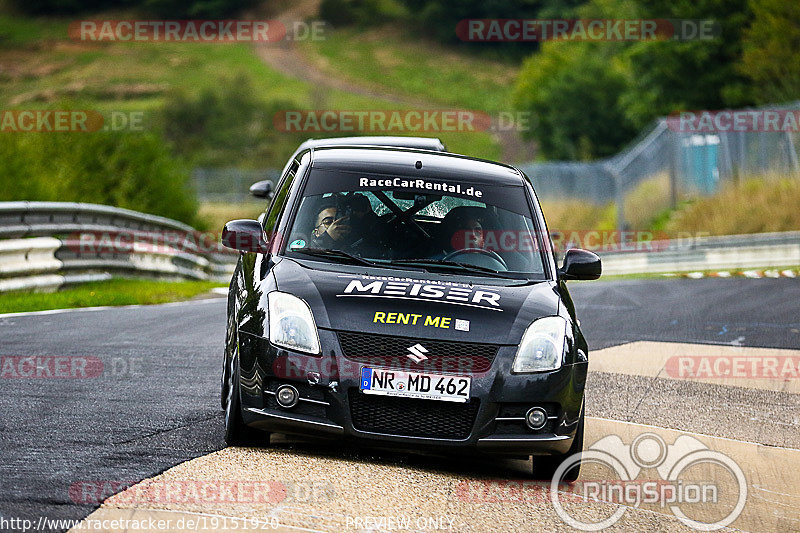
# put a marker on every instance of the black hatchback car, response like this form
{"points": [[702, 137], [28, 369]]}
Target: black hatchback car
{"points": [[409, 298]]}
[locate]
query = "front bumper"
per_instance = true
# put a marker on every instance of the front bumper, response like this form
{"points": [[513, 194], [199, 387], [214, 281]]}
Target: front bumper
{"points": [[492, 423]]}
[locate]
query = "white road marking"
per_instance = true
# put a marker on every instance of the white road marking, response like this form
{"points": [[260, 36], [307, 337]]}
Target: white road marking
{"points": [[104, 307]]}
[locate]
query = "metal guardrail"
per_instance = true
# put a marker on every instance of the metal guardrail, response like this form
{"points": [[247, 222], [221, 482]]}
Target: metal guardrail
{"points": [[44, 245], [728, 252]]}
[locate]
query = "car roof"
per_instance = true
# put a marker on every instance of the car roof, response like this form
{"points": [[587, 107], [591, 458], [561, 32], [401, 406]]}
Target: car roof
{"points": [[403, 161], [424, 143]]}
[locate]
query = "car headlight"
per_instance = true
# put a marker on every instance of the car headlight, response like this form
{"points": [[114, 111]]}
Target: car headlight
{"points": [[542, 346], [291, 324]]}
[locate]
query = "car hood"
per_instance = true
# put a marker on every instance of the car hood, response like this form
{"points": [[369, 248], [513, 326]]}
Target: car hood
{"points": [[411, 303]]}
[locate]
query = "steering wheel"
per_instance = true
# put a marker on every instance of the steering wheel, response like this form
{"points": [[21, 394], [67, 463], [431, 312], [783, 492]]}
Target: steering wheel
{"points": [[489, 253]]}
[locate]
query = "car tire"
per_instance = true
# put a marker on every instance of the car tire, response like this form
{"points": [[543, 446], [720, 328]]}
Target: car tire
{"points": [[223, 393], [237, 433], [545, 466]]}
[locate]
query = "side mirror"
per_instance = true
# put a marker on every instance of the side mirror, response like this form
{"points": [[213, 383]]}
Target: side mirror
{"points": [[262, 189], [245, 236], [580, 264]]}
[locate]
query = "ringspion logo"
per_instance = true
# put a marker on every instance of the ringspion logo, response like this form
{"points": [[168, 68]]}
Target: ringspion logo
{"points": [[678, 488]]}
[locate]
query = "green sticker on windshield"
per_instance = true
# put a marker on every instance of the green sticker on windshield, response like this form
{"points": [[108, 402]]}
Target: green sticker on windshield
{"points": [[299, 243]]}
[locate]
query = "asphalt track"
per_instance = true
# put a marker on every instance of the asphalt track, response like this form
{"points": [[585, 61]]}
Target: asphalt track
{"points": [[155, 404]]}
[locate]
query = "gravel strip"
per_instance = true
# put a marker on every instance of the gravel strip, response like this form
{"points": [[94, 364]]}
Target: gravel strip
{"points": [[334, 489]]}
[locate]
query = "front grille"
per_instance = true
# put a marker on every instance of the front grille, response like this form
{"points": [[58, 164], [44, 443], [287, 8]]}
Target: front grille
{"points": [[409, 417], [443, 356]]}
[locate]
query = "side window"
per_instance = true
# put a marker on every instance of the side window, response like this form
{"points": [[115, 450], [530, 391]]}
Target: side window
{"points": [[279, 202]]}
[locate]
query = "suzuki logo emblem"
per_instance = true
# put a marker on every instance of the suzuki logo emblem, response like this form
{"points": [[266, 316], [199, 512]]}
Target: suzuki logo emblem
{"points": [[417, 354]]}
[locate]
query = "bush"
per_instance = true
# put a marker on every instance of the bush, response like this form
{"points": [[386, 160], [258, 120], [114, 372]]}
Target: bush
{"points": [[66, 7], [360, 12], [228, 126], [122, 169], [197, 9], [158, 8], [573, 89]]}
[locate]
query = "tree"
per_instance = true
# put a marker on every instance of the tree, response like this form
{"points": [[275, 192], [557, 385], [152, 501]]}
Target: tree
{"points": [[228, 125], [628, 84], [770, 51], [666, 76], [133, 170], [573, 90]]}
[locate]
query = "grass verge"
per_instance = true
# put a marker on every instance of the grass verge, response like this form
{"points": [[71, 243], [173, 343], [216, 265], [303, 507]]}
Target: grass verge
{"points": [[385, 59], [765, 203], [41, 68], [216, 214], [761, 204], [116, 291]]}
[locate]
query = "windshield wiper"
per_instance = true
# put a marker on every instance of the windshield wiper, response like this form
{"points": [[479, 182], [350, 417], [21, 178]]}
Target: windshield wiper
{"points": [[450, 265], [335, 254]]}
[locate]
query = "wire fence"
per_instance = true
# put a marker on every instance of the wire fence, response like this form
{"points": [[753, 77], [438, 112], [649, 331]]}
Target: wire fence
{"points": [[676, 163], [663, 165]]}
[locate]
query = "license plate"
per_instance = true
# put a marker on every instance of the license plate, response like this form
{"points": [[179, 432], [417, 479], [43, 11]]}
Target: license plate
{"points": [[415, 385]]}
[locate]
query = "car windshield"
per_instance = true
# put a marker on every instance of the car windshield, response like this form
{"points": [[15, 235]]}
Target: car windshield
{"points": [[432, 224]]}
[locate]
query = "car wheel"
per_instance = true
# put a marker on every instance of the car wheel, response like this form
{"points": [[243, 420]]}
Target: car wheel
{"points": [[223, 395], [236, 432], [545, 466]]}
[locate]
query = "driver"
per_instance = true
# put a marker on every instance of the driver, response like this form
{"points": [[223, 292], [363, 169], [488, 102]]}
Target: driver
{"points": [[466, 233], [346, 222], [467, 243], [331, 229], [472, 233]]}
